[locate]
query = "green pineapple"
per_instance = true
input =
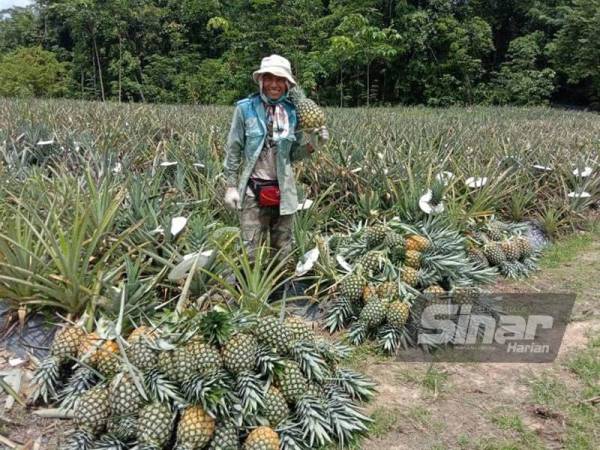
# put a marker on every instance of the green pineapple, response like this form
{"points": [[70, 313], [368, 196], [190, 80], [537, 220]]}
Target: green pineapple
{"points": [[93, 410], [375, 235], [226, 437], [397, 314], [125, 397], [197, 357], [262, 438], [275, 406], [141, 355], [464, 295], [525, 248], [495, 231], [373, 313], [338, 241], [388, 291], [291, 381], [300, 330], [154, 425], [274, 334], [239, 353], [410, 276], [351, 287], [66, 343], [310, 116], [371, 261], [494, 254], [477, 256], [511, 249], [393, 240], [195, 429], [123, 427]]}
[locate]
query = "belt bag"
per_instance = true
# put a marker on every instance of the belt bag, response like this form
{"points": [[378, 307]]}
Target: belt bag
{"points": [[266, 192]]}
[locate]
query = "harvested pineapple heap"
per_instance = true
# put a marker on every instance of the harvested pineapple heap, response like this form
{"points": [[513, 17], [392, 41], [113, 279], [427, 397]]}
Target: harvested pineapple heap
{"points": [[505, 247], [205, 380], [392, 271]]}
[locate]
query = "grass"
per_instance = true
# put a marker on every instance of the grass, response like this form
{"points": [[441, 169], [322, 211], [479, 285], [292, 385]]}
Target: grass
{"points": [[566, 250]]}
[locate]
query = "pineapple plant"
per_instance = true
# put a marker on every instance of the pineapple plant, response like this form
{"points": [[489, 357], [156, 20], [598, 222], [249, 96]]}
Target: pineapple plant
{"points": [[154, 426], [351, 287], [93, 410], [417, 243], [195, 429], [275, 406], [274, 334], [310, 115], [262, 438], [397, 314], [239, 353], [291, 381]]}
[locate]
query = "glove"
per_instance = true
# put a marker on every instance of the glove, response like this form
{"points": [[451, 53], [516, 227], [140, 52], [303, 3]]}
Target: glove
{"points": [[232, 198], [323, 134]]}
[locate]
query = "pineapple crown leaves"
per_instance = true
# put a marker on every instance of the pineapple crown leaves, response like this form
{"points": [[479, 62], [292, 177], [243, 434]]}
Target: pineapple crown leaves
{"points": [[45, 380], [354, 384], [267, 361], [311, 362], [214, 392], [340, 313], [390, 339], [345, 418], [250, 392], [291, 435], [312, 414], [216, 327], [82, 379], [358, 333]]}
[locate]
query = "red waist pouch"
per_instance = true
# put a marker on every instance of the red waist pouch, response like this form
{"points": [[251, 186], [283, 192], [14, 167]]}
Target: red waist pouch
{"points": [[266, 192]]}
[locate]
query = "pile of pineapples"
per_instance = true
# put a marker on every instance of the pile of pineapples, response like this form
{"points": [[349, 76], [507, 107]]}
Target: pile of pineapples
{"points": [[505, 247], [393, 270], [214, 380]]}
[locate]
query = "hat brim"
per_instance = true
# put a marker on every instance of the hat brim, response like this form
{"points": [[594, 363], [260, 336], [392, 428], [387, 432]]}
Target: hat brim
{"points": [[276, 72]]}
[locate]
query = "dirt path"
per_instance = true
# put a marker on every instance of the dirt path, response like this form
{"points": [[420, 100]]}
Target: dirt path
{"points": [[488, 406]]}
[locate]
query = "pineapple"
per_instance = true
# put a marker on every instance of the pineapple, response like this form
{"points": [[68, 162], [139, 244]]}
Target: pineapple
{"points": [[93, 410], [370, 290], [417, 243], [195, 430], [371, 261], [477, 257], [511, 249], [239, 353], [412, 259], [494, 254], [154, 425], [141, 355], [387, 291], [495, 231], [291, 381], [141, 333], [464, 295], [122, 427], [393, 240], [107, 357], [410, 276], [310, 116], [338, 241], [375, 235], [66, 343], [373, 313], [351, 287], [434, 291], [88, 349], [204, 358], [167, 364], [262, 438], [225, 438], [274, 334], [300, 330], [125, 397], [397, 314], [525, 248], [275, 406]]}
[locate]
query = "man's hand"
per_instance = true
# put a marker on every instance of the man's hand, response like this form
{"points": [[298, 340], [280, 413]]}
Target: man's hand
{"points": [[323, 134], [232, 198]]}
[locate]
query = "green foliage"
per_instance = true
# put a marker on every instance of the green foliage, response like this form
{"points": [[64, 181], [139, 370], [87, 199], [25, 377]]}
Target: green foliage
{"points": [[30, 72]]}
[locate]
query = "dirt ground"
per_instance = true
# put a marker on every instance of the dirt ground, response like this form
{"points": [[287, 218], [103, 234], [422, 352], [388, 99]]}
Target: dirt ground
{"points": [[441, 405]]}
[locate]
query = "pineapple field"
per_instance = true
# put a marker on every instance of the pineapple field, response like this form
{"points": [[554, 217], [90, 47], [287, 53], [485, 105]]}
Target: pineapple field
{"points": [[161, 331]]}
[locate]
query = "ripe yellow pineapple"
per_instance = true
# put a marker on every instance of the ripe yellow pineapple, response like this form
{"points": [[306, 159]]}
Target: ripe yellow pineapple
{"points": [[195, 429], [416, 242], [262, 438]]}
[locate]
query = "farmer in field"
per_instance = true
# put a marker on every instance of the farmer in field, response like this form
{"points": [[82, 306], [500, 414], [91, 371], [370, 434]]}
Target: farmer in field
{"points": [[264, 141]]}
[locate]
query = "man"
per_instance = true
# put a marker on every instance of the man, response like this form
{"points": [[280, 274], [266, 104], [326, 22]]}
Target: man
{"points": [[264, 142]]}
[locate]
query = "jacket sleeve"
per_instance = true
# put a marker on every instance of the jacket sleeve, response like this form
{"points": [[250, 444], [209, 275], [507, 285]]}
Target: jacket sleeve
{"points": [[235, 146]]}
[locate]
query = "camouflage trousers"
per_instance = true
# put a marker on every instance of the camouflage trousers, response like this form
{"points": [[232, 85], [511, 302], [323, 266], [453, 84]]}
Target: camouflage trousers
{"points": [[265, 226]]}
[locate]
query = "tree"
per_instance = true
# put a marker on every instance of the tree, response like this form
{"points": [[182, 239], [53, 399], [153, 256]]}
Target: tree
{"points": [[32, 71]]}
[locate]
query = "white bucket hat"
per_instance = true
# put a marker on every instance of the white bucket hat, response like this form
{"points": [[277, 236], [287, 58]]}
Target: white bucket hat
{"points": [[276, 65]]}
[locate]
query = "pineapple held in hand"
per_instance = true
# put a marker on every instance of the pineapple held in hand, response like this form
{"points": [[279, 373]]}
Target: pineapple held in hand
{"points": [[310, 116]]}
